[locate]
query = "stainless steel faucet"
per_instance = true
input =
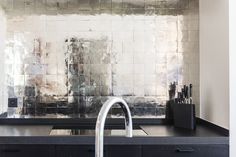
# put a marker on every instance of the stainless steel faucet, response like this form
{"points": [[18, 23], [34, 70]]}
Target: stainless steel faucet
{"points": [[101, 122]]}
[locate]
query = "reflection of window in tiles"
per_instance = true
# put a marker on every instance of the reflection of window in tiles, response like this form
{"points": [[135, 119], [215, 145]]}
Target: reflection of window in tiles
{"points": [[150, 4], [117, 4], [73, 69], [105, 90]]}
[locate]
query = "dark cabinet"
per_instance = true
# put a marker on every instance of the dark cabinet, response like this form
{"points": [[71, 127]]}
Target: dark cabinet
{"points": [[124, 151], [114, 150], [185, 151], [89, 151], [27, 151], [76, 151]]}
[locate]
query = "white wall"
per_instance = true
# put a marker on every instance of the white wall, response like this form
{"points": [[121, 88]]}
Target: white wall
{"points": [[2, 44], [232, 41], [214, 61]]}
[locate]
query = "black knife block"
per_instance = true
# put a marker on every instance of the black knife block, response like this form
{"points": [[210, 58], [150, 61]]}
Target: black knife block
{"points": [[184, 116], [169, 111]]}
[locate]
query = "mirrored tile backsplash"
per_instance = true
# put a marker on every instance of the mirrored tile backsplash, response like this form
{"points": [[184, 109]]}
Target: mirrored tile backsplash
{"points": [[66, 57]]}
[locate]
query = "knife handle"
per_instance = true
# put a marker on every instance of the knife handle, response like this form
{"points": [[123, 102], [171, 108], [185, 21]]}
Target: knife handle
{"points": [[190, 90], [186, 92]]}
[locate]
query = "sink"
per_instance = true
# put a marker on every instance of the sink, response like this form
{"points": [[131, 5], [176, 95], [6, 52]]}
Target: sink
{"points": [[91, 132]]}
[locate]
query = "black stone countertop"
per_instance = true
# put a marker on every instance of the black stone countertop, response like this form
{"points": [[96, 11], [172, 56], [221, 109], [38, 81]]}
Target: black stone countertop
{"points": [[24, 130], [157, 134]]}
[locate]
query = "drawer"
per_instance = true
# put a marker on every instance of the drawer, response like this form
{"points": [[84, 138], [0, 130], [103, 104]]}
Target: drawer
{"points": [[75, 151], [124, 151], [185, 151], [26, 151], [89, 151]]}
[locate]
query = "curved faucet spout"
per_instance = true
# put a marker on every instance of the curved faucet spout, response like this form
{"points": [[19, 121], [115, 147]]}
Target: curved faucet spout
{"points": [[101, 122]]}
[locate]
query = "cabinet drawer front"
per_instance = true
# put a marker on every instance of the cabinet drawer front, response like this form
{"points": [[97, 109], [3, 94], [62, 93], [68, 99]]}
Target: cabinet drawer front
{"points": [[75, 151], [124, 151], [185, 151], [27, 151], [89, 151]]}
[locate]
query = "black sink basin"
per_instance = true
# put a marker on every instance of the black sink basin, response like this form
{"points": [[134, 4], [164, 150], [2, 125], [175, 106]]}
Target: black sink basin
{"points": [[90, 131]]}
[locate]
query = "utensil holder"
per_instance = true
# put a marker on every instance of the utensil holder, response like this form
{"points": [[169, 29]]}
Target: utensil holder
{"points": [[184, 116]]}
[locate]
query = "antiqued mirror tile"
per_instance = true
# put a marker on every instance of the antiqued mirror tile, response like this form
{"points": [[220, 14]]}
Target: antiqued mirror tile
{"points": [[68, 56]]}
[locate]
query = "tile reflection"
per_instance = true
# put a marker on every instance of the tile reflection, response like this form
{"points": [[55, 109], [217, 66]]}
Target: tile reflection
{"points": [[63, 60]]}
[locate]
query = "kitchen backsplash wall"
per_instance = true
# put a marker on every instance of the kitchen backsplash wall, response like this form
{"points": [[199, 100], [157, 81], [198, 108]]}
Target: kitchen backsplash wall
{"points": [[2, 47], [67, 57]]}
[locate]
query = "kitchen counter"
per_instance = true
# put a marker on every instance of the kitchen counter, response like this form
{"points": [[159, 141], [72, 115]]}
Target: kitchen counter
{"points": [[171, 131], [27, 130], [160, 133]]}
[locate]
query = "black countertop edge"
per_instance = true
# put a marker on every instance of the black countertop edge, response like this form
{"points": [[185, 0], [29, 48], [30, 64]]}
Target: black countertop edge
{"points": [[213, 126], [78, 121], [90, 140]]}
